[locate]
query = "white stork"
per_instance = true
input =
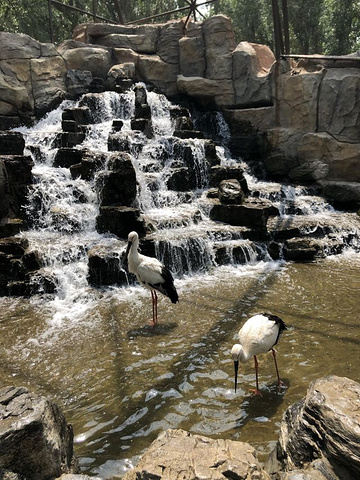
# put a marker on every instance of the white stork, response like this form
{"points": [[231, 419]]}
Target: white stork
{"points": [[151, 273], [259, 334]]}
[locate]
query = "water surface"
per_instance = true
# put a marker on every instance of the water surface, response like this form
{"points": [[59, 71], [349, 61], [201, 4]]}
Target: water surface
{"points": [[120, 382]]}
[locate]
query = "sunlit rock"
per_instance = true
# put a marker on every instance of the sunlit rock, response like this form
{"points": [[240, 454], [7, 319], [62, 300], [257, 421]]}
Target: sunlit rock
{"points": [[208, 92], [152, 69], [92, 32], [48, 82], [253, 80], [322, 431], [219, 41], [337, 99], [78, 56], [180, 454], [167, 46], [311, 157], [192, 54], [120, 72]]}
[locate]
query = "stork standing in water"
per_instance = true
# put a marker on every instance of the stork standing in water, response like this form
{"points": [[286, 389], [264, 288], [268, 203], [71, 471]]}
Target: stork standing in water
{"points": [[259, 334], [151, 273]]}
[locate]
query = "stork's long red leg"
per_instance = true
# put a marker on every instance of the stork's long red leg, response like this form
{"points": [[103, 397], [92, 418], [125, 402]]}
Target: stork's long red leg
{"points": [[280, 383], [256, 390], [154, 307]]}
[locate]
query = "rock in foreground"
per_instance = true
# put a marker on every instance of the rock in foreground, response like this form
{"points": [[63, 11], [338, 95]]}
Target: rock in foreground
{"points": [[320, 435], [180, 454], [36, 443]]}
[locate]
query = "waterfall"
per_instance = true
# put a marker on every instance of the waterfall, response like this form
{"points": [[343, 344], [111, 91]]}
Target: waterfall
{"points": [[172, 194]]}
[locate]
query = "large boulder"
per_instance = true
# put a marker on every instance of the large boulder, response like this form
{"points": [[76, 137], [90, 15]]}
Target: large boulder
{"points": [[338, 96], [297, 97], [79, 56], [219, 40], [140, 38], [18, 45], [311, 157], [33, 75], [48, 76], [141, 43], [321, 433], [192, 52], [253, 213], [15, 98], [340, 157], [207, 92], [251, 75], [179, 454], [36, 442], [152, 69], [168, 43]]}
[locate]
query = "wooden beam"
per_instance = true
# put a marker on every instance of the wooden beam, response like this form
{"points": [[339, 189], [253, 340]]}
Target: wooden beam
{"points": [[347, 58], [76, 9], [51, 22], [141, 20], [286, 26], [119, 12], [277, 29]]}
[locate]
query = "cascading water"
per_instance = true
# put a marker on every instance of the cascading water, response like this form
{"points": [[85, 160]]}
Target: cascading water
{"points": [[63, 210], [120, 383]]}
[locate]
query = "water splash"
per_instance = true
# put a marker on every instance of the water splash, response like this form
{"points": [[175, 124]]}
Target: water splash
{"points": [[63, 210]]}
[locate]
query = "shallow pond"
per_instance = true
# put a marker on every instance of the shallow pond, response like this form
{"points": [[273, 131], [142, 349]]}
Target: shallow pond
{"points": [[120, 382]]}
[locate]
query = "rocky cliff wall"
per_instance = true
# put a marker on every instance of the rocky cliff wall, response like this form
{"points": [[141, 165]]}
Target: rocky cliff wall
{"points": [[301, 119]]}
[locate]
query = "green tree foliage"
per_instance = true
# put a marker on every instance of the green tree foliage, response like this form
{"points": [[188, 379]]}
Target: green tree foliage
{"points": [[32, 16], [316, 26]]}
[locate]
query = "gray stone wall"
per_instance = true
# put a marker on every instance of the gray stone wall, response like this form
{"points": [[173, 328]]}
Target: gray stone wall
{"points": [[305, 116]]}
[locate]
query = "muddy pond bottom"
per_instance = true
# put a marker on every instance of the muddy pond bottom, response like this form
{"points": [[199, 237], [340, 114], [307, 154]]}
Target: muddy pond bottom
{"points": [[120, 382]]}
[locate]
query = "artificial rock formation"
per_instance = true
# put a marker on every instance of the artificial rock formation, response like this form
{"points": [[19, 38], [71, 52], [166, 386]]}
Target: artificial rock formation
{"points": [[36, 443], [319, 440], [180, 454], [302, 119], [320, 435]]}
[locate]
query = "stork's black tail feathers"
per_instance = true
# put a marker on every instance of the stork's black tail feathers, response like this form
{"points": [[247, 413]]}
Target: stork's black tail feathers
{"points": [[168, 287], [279, 322]]}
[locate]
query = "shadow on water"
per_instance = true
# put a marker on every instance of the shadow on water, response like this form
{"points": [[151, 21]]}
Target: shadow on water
{"points": [[260, 408], [151, 331], [143, 413]]}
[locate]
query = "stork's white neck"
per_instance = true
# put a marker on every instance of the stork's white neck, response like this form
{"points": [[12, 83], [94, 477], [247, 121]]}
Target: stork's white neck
{"points": [[239, 354], [134, 256]]}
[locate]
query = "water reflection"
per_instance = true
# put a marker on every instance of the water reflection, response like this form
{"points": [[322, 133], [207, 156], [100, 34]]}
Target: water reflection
{"points": [[120, 382]]}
